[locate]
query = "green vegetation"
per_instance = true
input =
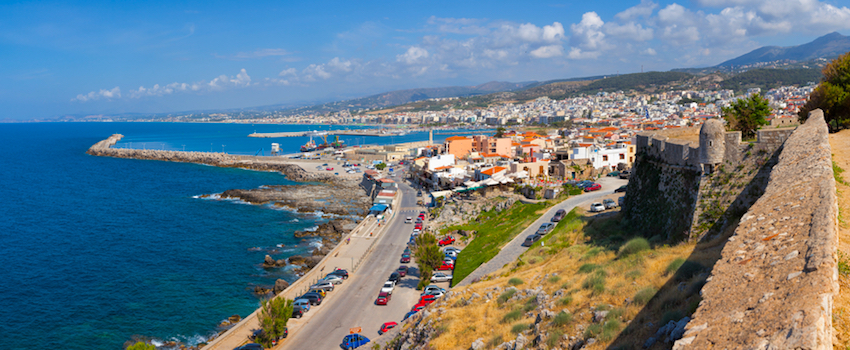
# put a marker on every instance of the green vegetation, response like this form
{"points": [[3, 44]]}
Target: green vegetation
{"points": [[428, 257], [495, 229], [767, 78], [519, 327], [604, 332], [832, 95], [747, 115], [505, 296], [843, 263], [688, 270], [512, 316], [140, 345], [563, 319], [553, 279], [381, 166], [554, 338], [836, 172], [515, 281], [674, 265], [633, 246], [587, 268], [636, 81], [643, 296], [500, 132], [596, 282], [566, 301], [274, 313]]}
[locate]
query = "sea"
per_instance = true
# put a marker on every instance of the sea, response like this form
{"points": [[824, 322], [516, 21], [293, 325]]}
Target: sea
{"points": [[96, 251]]}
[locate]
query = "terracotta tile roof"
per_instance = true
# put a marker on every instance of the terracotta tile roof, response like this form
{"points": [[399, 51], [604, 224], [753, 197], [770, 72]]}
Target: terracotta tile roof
{"points": [[455, 138], [444, 167], [492, 170]]}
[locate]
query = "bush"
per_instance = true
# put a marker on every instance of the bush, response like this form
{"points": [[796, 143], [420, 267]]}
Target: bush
{"points": [[505, 296], [595, 283], [615, 314], [563, 319], [643, 296], [592, 331], [512, 316], [634, 274], [591, 253], [515, 281], [587, 268], [140, 345], [566, 301], [518, 328], [273, 316], [671, 315], [554, 279], [554, 338], [688, 270], [633, 246], [674, 265], [610, 330]]}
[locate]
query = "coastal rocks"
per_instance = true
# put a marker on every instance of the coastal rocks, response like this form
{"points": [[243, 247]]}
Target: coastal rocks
{"points": [[340, 199], [279, 286], [333, 230], [268, 262], [259, 290]]}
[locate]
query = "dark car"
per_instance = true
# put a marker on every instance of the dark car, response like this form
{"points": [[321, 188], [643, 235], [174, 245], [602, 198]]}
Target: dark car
{"points": [[530, 240], [353, 341], [408, 314], [297, 312], [625, 174], [402, 270], [394, 277], [260, 332], [341, 273], [251, 346], [314, 298], [405, 258], [620, 189], [559, 215]]}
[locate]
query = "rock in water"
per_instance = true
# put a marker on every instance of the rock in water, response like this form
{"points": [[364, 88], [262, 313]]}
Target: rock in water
{"points": [[279, 286], [268, 262]]}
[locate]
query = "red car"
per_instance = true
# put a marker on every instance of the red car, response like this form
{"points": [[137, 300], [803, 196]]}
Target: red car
{"points": [[329, 169], [387, 326], [594, 187], [418, 307], [402, 271], [446, 267], [446, 241], [383, 298], [405, 258], [427, 299]]}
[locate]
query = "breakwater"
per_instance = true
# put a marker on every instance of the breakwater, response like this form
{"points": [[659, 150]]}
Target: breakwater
{"points": [[292, 171]]}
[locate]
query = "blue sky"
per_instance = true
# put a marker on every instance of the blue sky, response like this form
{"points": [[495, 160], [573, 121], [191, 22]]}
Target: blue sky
{"points": [[59, 58]]}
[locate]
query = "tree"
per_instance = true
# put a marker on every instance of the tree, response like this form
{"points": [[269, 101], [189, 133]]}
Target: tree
{"points": [[427, 252], [747, 115], [141, 346], [274, 313], [500, 132], [832, 95], [381, 166]]}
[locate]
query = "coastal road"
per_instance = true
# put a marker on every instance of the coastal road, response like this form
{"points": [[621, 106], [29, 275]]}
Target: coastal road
{"points": [[511, 251], [352, 304]]}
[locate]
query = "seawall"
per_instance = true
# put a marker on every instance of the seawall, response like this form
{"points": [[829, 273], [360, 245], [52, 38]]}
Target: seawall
{"points": [[774, 284]]}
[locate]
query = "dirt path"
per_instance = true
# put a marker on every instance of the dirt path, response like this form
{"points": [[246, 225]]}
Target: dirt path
{"points": [[840, 144]]}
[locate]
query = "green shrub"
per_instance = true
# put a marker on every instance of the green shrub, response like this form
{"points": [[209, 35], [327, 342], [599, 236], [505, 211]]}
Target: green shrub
{"points": [[495, 341], [530, 304], [554, 338], [674, 265], [671, 315], [610, 330], [595, 283], [554, 279], [518, 328], [512, 316], [643, 296], [587, 268], [566, 301], [633, 246], [140, 345], [615, 314], [515, 281], [591, 253], [505, 296], [634, 274], [688, 270], [593, 331], [563, 319]]}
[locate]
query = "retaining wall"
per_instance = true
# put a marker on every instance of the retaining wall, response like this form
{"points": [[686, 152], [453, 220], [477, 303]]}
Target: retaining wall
{"points": [[774, 284]]}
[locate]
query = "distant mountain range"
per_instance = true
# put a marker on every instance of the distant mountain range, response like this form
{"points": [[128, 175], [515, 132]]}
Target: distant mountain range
{"points": [[827, 46]]}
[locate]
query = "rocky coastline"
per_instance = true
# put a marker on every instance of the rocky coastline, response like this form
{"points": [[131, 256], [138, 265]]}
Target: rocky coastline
{"points": [[322, 192]]}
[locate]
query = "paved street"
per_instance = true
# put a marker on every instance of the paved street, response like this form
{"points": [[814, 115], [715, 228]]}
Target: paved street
{"points": [[352, 304], [514, 248]]}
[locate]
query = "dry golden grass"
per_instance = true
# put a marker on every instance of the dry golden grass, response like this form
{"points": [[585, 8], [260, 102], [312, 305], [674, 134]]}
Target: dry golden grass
{"points": [[481, 319], [840, 145]]}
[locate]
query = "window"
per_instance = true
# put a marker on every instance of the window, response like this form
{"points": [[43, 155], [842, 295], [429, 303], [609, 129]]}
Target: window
{"points": [[622, 156], [605, 158], [710, 143]]}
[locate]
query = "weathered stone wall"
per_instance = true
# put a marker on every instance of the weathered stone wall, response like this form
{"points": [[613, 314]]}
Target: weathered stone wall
{"points": [[774, 284]]}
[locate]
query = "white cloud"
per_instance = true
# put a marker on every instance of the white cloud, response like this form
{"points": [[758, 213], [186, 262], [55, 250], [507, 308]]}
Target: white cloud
{"points": [[578, 54], [96, 95], [644, 9], [548, 51], [287, 72], [587, 34], [413, 55], [649, 51], [630, 31]]}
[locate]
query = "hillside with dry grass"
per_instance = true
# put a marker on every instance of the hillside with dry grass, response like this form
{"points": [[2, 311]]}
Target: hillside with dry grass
{"points": [[589, 284]]}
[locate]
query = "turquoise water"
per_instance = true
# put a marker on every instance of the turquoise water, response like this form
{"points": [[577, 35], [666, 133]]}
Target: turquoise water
{"points": [[96, 250]]}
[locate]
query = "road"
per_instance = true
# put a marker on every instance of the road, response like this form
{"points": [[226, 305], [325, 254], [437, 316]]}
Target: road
{"points": [[511, 251], [352, 304]]}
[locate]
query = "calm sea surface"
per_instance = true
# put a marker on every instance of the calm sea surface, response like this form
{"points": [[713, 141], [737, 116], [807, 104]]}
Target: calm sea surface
{"points": [[95, 250]]}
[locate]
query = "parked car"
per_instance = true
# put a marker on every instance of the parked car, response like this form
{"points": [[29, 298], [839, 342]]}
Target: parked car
{"points": [[621, 200], [452, 254], [446, 241], [427, 299], [315, 298], [614, 173], [530, 240], [251, 346], [325, 286], [388, 287], [594, 187], [386, 327], [260, 332], [341, 273], [297, 312], [559, 215], [408, 314], [609, 203], [353, 341], [408, 220], [330, 169], [335, 279], [383, 298], [402, 270], [545, 228], [394, 277], [304, 304], [621, 189], [625, 174], [319, 291], [436, 293], [418, 307], [441, 277], [451, 249], [597, 207], [405, 258], [432, 288], [446, 267]]}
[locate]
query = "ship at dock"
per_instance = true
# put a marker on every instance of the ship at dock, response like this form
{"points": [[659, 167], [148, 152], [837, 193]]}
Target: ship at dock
{"points": [[311, 146]]}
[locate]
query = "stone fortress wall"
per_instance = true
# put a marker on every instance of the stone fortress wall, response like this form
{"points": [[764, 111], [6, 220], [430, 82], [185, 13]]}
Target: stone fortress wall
{"points": [[774, 284]]}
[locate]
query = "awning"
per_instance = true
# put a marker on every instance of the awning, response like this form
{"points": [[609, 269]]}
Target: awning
{"points": [[438, 194], [378, 208]]}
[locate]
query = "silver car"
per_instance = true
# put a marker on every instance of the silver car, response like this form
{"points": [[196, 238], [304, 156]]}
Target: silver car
{"points": [[609, 203], [441, 277], [332, 279], [597, 207], [326, 286]]}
